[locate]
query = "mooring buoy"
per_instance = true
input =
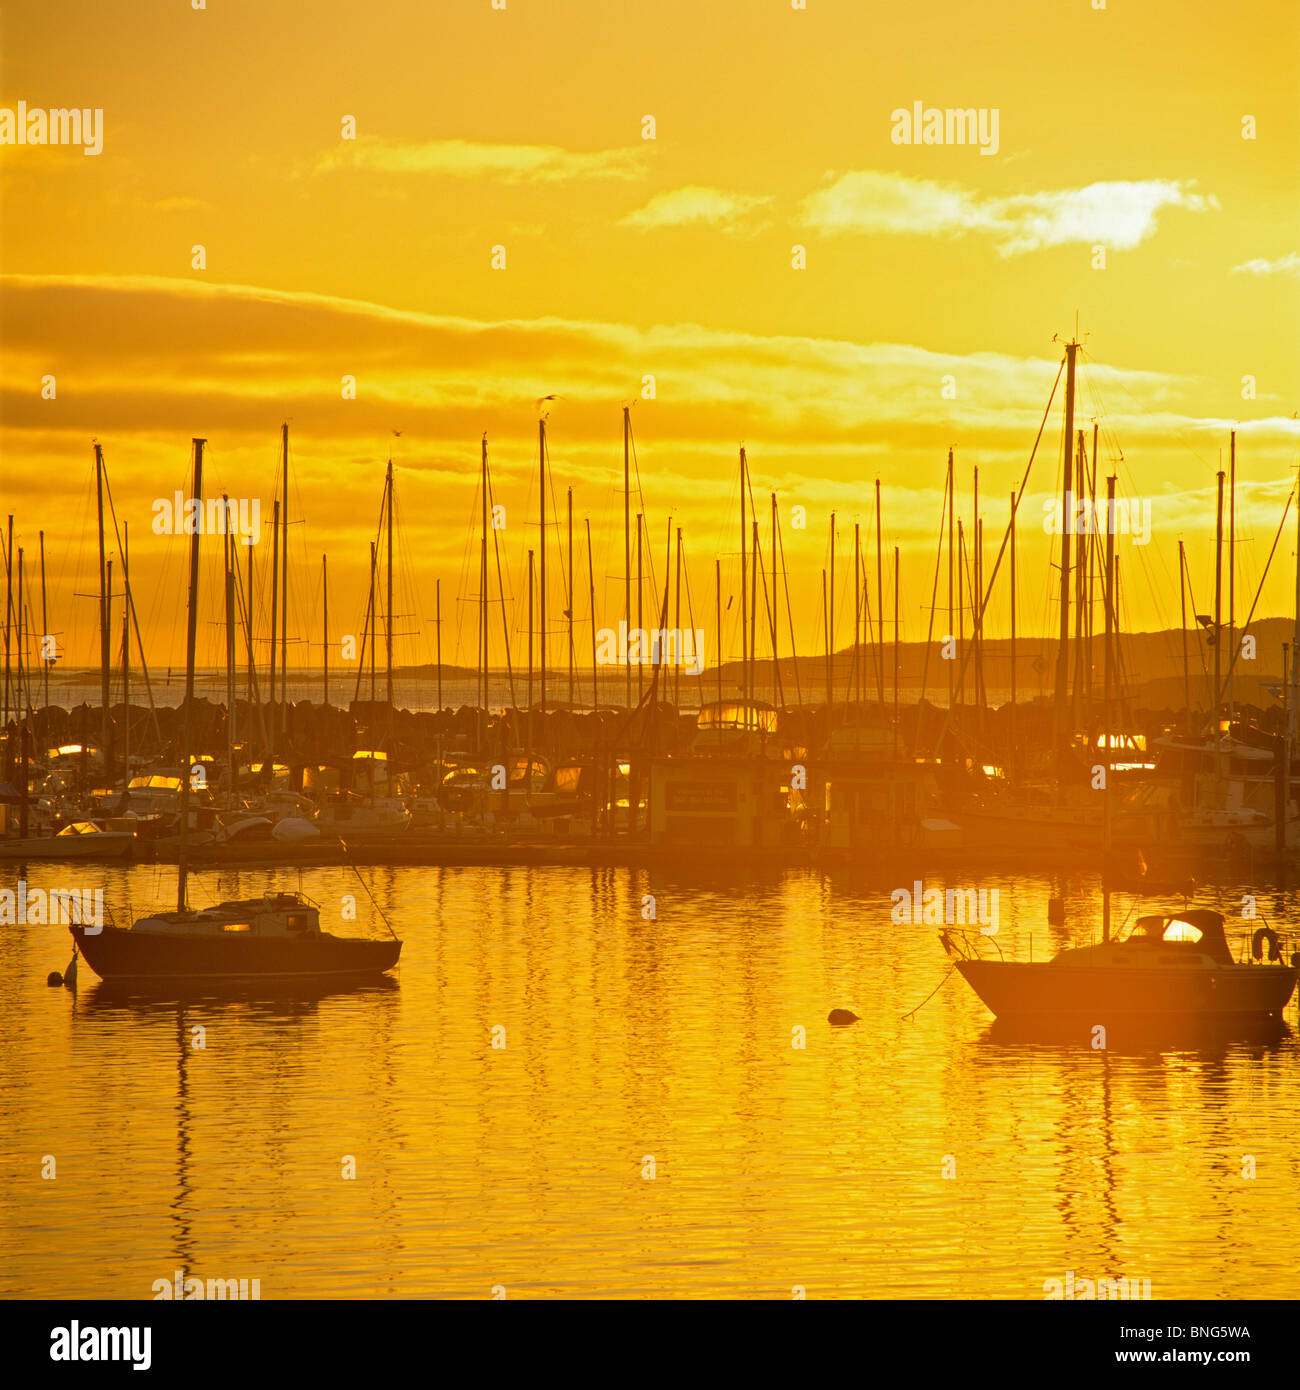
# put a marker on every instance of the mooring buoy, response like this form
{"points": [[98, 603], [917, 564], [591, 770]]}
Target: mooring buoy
{"points": [[841, 1016], [54, 979]]}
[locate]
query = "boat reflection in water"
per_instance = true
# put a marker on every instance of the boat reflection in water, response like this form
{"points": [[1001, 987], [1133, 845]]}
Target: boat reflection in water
{"points": [[1171, 968]]}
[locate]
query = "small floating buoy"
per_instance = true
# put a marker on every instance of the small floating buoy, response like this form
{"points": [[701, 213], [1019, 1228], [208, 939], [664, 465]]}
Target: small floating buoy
{"points": [[841, 1016], [54, 979]]}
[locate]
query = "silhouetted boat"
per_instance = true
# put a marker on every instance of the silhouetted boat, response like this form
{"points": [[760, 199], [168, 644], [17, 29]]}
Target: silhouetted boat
{"points": [[278, 935], [1170, 966]]}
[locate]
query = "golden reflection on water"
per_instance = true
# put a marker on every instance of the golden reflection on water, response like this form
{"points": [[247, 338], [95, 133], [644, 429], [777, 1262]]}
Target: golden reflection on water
{"points": [[626, 1041]]}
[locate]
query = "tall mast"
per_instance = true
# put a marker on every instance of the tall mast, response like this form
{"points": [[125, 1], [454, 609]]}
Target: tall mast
{"points": [[1106, 720], [227, 557], [826, 636], [830, 623], [374, 617], [1011, 742], [717, 618], [9, 597], [753, 617], [776, 669], [325, 632], [106, 725], [1232, 569], [1060, 720], [1182, 610], [880, 604], [627, 553], [284, 582], [388, 625], [1293, 709], [21, 705], [483, 584], [125, 658], [541, 568], [951, 495], [569, 615], [1080, 566], [45, 630], [591, 592], [895, 649], [437, 611], [275, 623], [855, 671], [744, 579], [191, 634], [640, 670], [1218, 601], [677, 622]]}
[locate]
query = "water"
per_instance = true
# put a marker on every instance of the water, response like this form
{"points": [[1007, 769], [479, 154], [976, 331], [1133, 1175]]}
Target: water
{"points": [[774, 1167]]}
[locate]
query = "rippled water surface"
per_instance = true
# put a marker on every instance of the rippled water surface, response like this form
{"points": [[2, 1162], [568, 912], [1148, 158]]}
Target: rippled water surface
{"points": [[648, 1127]]}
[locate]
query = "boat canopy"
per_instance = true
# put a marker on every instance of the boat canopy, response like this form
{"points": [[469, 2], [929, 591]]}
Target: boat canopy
{"points": [[737, 714], [1196, 924]]}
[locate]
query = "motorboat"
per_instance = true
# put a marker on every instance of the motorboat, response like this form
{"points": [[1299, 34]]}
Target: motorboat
{"points": [[1171, 965]]}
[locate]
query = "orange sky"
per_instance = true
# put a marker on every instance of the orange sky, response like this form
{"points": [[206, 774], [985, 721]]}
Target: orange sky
{"points": [[625, 257]]}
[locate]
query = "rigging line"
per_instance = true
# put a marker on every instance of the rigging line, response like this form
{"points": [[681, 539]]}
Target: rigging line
{"points": [[997, 563], [369, 894], [1272, 550]]}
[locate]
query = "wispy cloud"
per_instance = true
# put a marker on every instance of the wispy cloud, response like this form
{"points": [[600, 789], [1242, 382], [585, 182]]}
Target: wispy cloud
{"points": [[1119, 215], [467, 159], [1284, 265], [693, 206]]}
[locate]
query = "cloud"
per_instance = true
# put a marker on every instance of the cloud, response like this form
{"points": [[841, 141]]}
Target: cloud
{"points": [[466, 159], [1119, 215], [1284, 265], [695, 205]]}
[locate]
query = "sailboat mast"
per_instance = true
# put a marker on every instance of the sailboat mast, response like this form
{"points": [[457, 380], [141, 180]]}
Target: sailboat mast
{"points": [[541, 566], [1232, 569], [191, 635], [106, 727], [744, 580], [776, 669], [1063, 636], [950, 498], [1182, 610], [483, 584], [1106, 721], [325, 632], [388, 625], [627, 594], [227, 556], [880, 603], [284, 581], [275, 622], [627, 554], [126, 658], [1218, 600], [46, 661]]}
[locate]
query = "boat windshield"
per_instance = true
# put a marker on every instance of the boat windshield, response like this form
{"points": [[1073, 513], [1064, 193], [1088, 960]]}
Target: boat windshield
{"points": [[1194, 926]]}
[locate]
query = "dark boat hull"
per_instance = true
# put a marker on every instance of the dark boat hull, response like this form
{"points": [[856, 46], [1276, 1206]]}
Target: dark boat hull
{"points": [[1012, 989], [114, 954]]}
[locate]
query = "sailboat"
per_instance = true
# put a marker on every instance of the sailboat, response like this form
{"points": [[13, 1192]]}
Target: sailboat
{"points": [[276, 936], [1172, 965]]}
